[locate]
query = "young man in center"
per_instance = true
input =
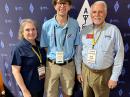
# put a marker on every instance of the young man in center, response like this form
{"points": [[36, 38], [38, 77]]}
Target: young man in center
{"points": [[61, 38]]}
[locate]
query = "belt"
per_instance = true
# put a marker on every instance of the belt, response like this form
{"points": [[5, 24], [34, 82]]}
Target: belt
{"points": [[98, 71], [65, 62]]}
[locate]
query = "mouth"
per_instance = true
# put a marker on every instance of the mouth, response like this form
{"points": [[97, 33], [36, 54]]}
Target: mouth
{"points": [[97, 18], [62, 9]]}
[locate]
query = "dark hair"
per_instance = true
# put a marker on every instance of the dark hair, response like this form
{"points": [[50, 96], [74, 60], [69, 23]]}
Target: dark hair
{"points": [[55, 1]]}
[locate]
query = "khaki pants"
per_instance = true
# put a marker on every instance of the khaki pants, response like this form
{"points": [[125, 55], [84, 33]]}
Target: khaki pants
{"points": [[54, 74], [95, 83]]}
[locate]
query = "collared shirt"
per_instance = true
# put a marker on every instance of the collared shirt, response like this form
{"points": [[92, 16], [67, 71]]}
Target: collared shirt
{"points": [[109, 48], [24, 56], [53, 35]]}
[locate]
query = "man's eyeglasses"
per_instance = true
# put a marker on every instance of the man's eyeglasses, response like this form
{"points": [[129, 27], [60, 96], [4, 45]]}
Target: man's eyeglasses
{"points": [[62, 3]]}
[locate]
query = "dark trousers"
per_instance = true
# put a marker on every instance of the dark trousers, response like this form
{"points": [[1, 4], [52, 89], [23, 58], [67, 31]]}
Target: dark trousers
{"points": [[39, 94], [7, 93]]}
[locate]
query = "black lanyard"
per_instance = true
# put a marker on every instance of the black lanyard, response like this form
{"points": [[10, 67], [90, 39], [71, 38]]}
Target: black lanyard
{"points": [[64, 37]]}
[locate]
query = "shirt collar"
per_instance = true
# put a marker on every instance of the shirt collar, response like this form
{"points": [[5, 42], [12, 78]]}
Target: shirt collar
{"points": [[57, 25], [26, 42]]}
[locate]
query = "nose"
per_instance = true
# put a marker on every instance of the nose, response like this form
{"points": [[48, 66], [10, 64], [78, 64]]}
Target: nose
{"points": [[62, 5], [96, 13], [31, 31]]}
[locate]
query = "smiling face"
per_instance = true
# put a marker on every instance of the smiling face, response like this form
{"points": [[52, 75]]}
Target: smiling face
{"points": [[98, 13], [29, 32], [62, 8]]}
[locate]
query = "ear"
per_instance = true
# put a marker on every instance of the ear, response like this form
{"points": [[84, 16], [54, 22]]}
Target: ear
{"points": [[55, 7]]}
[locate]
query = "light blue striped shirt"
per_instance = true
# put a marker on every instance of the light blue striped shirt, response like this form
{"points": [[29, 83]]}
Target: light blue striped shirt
{"points": [[109, 49], [54, 41]]}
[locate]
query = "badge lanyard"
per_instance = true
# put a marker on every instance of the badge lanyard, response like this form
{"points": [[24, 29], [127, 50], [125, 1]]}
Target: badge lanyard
{"points": [[41, 68], [63, 39], [93, 39], [38, 55]]}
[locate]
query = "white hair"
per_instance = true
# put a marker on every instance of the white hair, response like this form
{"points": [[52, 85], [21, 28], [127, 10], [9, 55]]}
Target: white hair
{"points": [[100, 2]]}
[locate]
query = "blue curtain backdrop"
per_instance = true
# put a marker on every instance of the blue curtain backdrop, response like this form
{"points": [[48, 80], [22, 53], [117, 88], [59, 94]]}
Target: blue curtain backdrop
{"points": [[12, 11]]}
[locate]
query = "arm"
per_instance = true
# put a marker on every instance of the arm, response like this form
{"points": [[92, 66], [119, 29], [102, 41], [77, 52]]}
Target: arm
{"points": [[78, 55], [118, 59], [78, 59], [119, 56], [20, 81]]}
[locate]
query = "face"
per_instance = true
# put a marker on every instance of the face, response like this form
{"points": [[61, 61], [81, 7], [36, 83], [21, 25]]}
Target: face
{"points": [[98, 14], [62, 8], [29, 32]]}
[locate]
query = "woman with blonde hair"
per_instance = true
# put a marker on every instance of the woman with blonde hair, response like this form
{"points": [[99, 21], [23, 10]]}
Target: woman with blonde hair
{"points": [[28, 61]]}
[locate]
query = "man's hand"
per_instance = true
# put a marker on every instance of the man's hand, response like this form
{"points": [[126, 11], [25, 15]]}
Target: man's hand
{"points": [[112, 84], [80, 78]]}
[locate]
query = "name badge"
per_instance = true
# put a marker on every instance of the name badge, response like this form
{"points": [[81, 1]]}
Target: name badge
{"points": [[41, 72], [91, 58], [89, 36], [59, 57]]}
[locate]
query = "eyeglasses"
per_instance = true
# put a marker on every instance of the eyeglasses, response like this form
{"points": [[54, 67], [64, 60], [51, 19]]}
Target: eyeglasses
{"points": [[62, 3]]}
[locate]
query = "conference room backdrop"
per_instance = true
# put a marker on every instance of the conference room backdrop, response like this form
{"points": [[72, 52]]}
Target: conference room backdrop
{"points": [[13, 11]]}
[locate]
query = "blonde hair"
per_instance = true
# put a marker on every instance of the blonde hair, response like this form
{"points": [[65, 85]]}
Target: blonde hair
{"points": [[22, 25]]}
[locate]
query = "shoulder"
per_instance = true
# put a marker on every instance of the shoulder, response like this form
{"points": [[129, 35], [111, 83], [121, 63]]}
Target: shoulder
{"points": [[20, 44], [73, 21], [87, 29], [111, 26], [21, 47], [49, 22], [111, 29], [17, 48]]}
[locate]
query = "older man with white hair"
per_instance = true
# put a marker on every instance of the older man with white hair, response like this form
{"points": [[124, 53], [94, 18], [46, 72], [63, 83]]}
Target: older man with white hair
{"points": [[102, 54]]}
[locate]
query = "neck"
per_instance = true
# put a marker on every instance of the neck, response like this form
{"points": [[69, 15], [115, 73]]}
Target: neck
{"points": [[62, 20], [98, 26], [32, 42]]}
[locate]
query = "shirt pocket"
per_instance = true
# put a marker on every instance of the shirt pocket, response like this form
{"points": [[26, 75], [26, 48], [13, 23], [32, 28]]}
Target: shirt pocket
{"points": [[87, 43], [30, 60], [107, 44], [70, 38]]}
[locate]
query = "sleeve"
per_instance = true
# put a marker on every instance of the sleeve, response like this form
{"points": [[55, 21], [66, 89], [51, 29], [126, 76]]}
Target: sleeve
{"points": [[119, 56], [43, 39], [16, 57], [77, 38], [78, 52], [78, 58]]}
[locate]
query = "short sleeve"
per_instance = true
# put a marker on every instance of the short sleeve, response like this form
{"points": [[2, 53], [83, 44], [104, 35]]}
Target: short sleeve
{"points": [[44, 39], [16, 57]]}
